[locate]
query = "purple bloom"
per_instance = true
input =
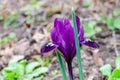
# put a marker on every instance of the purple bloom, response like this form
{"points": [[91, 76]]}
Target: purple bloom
{"points": [[62, 36]]}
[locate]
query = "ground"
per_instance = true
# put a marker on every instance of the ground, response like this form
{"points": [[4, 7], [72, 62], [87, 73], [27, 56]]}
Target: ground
{"points": [[31, 36]]}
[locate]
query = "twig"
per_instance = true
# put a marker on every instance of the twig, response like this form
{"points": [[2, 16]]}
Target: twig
{"points": [[114, 43]]}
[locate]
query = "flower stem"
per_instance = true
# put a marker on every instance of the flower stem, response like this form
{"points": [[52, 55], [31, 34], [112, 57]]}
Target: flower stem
{"points": [[70, 71], [61, 65], [79, 60]]}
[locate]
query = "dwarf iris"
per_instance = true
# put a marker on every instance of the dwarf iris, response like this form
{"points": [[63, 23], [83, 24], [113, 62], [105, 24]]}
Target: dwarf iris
{"points": [[62, 35]]}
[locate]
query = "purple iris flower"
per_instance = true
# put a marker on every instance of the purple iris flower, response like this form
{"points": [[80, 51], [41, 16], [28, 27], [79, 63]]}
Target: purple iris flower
{"points": [[62, 35]]}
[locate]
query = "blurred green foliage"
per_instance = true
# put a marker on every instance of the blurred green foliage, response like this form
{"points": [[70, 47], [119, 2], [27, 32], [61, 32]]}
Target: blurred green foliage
{"points": [[8, 38], [87, 3], [31, 10], [33, 7], [10, 20], [23, 70], [113, 22], [91, 29], [55, 72], [114, 74]]}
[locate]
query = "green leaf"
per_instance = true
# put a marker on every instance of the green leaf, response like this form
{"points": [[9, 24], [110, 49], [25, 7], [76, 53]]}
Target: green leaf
{"points": [[4, 40], [33, 2], [13, 71], [41, 77], [90, 29], [7, 21], [11, 20], [88, 3], [14, 24], [47, 61], [89, 33], [116, 74], [14, 68], [116, 12], [39, 71], [103, 19], [117, 62], [31, 66], [23, 62], [27, 9], [10, 75], [1, 17], [55, 72], [81, 19], [12, 35], [1, 77], [110, 77], [117, 23], [26, 77], [40, 60], [12, 63], [91, 24], [19, 69], [106, 70], [8, 72], [30, 19], [110, 23], [98, 29]]}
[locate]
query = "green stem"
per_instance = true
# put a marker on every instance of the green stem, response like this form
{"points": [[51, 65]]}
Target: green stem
{"points": [[61, 65], [79, 60]]}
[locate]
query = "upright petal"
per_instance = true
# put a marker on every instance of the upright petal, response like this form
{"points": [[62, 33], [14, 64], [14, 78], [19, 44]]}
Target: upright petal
{"points": [[48, 47], [63, 35], [90, 43], [81, 34], [78, 23], [80, 29], [68, 33], [55, 36], [64, 29], [57, 39]]}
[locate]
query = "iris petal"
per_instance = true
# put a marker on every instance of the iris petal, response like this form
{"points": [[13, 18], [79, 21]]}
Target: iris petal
{"points": [[78, 23], [64, 29], [62, 34], [80, 29], [81, 34], [48, 47], [56, 36], [90, 43]]}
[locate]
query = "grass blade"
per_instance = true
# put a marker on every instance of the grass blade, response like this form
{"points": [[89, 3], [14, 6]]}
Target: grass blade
{"points": [[61, 65], [79, 60]]}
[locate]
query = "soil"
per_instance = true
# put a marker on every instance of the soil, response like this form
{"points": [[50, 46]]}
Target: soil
{"points": [[30, 37]]}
